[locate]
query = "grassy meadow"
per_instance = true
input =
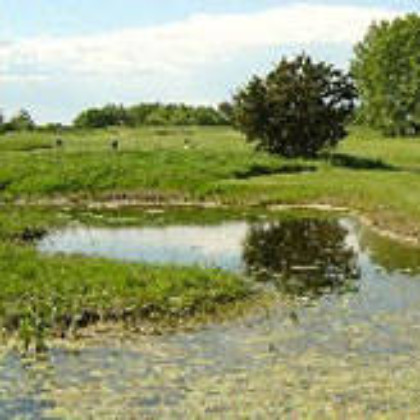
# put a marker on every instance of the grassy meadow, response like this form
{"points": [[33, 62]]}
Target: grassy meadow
{"points": [[40, 294], [375, 175]]}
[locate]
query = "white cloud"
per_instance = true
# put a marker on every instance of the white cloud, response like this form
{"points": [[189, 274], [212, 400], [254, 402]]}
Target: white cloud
{"points": [[23, 78], [178, 48]]}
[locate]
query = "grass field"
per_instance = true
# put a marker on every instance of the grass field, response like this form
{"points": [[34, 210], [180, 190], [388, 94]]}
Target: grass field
{"points": [[376, 176], [367, 172]]}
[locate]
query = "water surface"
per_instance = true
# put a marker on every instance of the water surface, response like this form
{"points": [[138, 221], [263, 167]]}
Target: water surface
{"points": [[215, 245], [341, 341]]}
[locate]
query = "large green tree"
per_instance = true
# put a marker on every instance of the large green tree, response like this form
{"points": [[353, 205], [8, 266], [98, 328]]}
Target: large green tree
{"points": [[298, 109], [386, 68]]}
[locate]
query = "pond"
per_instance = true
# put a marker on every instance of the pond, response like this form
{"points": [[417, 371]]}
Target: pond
{"points": [[211, 246], [341, 339], [302, 255]]}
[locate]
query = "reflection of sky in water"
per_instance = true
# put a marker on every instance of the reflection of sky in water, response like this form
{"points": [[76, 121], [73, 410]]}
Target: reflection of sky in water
{"points": [[352, 239], [219, 246], [222, 246], [353, 345]]}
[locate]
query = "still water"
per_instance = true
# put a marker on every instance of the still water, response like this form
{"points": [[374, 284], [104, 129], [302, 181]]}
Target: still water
{"points": [[218, 245], [342, 338]]}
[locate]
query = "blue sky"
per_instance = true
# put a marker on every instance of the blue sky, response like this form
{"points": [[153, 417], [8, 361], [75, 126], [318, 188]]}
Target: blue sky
{"points": [[58, 56]]}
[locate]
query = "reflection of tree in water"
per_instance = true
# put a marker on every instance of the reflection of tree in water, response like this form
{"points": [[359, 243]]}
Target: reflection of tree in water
{"points": [[305, 257]]}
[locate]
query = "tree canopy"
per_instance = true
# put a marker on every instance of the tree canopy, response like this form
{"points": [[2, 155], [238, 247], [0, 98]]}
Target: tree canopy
{"points": [[154, 114], [21, 121], [297, 109], [386, 69]]}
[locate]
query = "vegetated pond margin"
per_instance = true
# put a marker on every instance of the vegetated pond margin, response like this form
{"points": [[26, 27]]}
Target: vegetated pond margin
{"points": [[152, 208], [117, 203], [114, 222]]}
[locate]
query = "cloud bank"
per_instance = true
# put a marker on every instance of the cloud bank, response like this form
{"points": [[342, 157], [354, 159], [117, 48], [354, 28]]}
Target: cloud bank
{"points": [[201, 59], [182, 47]]}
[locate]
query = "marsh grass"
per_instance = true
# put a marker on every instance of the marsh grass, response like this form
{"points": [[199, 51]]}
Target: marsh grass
{"points": [[46, 296]]}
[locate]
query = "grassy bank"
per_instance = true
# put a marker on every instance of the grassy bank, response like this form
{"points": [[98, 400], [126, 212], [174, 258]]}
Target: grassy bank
{"points": [[367, 172], [44, 296]]}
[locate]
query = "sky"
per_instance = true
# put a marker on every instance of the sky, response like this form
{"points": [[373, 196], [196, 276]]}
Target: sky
{"points": [[58, 57]]}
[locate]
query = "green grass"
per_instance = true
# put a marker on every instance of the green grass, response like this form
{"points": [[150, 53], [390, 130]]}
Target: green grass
{"points": [[369, 173], [44, 296], [380, 180], [148, 161]]}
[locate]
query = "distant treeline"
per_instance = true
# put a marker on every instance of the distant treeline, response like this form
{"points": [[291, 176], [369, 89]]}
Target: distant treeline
{"points": [[153, 115], [147, 114], [22, 121]]}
